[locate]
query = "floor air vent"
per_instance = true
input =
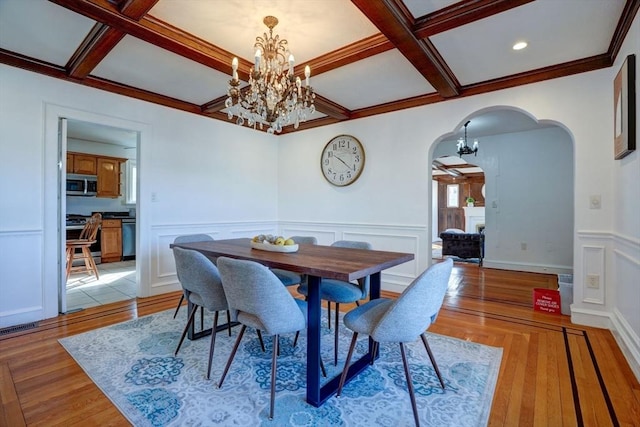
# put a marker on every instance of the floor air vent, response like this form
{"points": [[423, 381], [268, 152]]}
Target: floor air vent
{"points": [[18, 328]]}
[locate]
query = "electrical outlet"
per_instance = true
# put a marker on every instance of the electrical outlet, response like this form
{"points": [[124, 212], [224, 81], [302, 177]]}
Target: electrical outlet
{"points": [[593, 281], [154, 197], [595, 202], [523, 246]]}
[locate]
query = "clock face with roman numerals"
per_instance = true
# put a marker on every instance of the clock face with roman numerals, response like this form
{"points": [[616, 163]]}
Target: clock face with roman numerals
{"points": [[342, 160]]}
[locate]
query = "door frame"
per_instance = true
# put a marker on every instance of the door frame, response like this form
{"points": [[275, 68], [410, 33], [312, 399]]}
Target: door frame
{"points": [[55, 202]]}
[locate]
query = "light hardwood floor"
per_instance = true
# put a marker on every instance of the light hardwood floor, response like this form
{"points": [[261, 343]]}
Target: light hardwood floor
{"points": [[553, 373]]}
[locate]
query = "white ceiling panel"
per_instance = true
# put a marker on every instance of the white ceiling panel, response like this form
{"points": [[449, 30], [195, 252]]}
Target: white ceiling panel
{"points": [[136, 63], [40, 29], [381, 78], [311, 27], [556, 31], [371, 76], [86, 131]]}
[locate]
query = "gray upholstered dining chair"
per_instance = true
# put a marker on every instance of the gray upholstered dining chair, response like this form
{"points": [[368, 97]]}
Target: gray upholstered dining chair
{"points": [[202, 286], [338, 291], [189, 238], [291, 278], [260, 301], [402, 320]]}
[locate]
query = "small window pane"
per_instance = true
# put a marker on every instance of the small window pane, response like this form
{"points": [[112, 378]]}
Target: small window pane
{"points": [[452, 196], [131, 179]]}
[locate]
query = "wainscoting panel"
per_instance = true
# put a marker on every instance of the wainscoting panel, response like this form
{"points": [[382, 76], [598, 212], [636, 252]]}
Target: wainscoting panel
{"points": [[163, 269], [411, 239], [626, 315], [21, 285], [593, 267], [384, 237]]}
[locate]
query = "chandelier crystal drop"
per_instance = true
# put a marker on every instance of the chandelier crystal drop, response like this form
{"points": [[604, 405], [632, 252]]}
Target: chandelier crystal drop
{"points": [[274, 96], [463, 147]]}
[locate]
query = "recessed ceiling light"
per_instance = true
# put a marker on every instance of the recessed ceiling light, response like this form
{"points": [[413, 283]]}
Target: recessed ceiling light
{"points": [[519, 45]]}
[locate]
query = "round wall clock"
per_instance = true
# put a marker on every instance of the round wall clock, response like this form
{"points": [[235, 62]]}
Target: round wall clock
{"points": [[342, 160]]}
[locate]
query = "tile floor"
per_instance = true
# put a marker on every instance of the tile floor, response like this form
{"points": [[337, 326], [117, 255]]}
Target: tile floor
{"points": [[117, 283]]}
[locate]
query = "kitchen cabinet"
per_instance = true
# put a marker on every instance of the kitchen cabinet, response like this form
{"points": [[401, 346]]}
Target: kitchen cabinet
{"points": [[109, 177], [81, 163], [106, 168], [111, 240]]}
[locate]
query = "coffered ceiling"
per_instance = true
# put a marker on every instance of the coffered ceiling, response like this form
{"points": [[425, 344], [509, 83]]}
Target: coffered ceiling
{"points": [[367, 57]]}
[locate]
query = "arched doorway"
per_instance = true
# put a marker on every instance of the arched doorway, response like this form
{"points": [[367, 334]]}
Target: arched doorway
{"points": [[529, 188]]}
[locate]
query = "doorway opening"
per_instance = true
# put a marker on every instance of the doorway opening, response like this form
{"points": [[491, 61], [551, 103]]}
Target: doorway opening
{"points": [[458, 205], [109, 155]]}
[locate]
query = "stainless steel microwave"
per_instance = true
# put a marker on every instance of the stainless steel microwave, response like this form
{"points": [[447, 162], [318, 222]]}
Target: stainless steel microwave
{"points": [[82, 185]]}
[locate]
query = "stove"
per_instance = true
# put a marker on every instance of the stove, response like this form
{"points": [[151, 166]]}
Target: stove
{"points": [[76, 220]]}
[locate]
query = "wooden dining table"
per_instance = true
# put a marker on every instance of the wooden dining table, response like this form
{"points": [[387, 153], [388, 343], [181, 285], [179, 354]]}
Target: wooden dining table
{"points": [[317, 262]]}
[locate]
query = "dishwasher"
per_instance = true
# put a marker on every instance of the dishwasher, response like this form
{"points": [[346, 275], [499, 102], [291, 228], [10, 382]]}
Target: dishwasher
{"points": [[128, 239]]}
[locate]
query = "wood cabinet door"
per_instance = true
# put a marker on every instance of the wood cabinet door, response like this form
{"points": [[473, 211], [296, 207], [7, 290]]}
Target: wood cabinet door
{"points": [[84, 164], [69, 163], [111, 240], [108, 177]]}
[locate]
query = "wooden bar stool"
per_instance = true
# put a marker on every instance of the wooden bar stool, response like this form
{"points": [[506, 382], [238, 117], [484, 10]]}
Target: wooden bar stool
{"points": [[86, 239]]}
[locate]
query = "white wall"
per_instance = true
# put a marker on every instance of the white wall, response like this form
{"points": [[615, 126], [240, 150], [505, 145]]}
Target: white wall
{"points": [[206, 175], [623, 249], [214, 177], [392, 196], [529, 199]]}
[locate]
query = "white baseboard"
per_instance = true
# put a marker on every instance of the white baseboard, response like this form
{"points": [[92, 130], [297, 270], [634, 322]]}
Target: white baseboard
{"points": [[625, 337], [627, 340], [593, 318], [532, 268]]}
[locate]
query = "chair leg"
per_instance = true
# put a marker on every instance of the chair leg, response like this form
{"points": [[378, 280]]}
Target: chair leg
{"points": [[295, 340], [89, 264], [433, 360], [335, 339], [213, 343], [232, 355], [274, 361], [410, 385], [70, 252], [229, 321], [179, 304], [329, 314], [261, 341], [184, 333], [94, 267], [202, 318], [374, 351], [346, 363]]}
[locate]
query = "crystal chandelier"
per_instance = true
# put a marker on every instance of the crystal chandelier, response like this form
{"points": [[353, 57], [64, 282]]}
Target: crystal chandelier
{"points": [[274, 97], [463, 147]]}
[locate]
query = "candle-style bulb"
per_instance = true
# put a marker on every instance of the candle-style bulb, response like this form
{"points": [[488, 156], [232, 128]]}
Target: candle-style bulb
{"points": [[291, 61], [307, 73], [257, 58], [234, 68]]}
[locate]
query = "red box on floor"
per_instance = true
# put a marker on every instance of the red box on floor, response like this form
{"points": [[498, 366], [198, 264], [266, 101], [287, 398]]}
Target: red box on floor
{"points": [[546, 300]]}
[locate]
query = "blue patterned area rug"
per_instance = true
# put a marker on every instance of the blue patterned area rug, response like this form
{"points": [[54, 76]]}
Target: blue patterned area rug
{"points": [[133, 364]]}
